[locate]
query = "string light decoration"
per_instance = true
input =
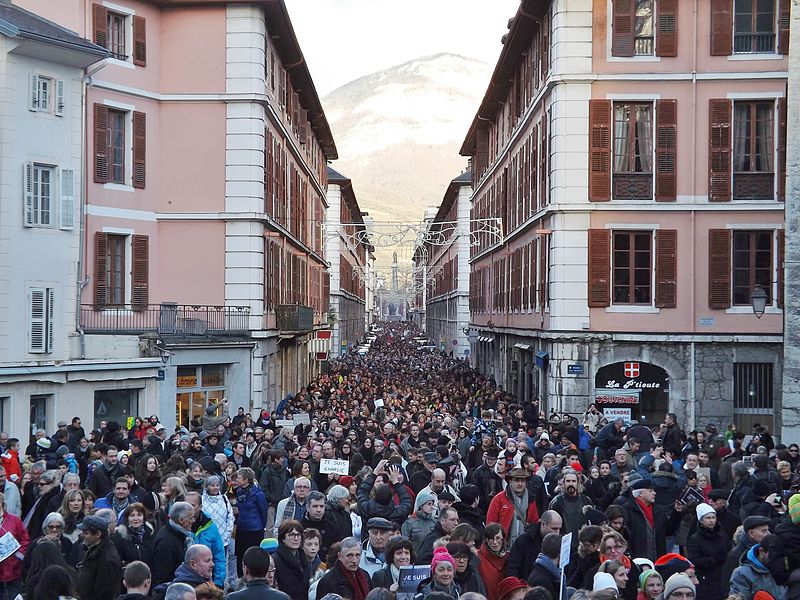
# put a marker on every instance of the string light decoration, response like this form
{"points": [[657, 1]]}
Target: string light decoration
{"points": [[388, 234]]}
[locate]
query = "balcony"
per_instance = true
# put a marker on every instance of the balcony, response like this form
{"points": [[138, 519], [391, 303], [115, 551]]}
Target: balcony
{"points": [[754, 43], [633, 186], [754, 186], [167, 319], [294, 318]]}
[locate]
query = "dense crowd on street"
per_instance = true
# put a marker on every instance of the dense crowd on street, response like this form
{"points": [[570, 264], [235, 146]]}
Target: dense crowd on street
{"points": [[390, 459]]}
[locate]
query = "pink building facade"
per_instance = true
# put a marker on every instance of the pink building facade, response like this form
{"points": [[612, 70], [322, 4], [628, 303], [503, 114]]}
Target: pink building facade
{"points": [[636, 157], [203, 205]]}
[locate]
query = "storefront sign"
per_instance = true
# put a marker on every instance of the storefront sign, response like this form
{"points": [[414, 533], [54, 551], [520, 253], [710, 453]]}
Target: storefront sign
{"points": [[615, 413], [604, 397], [641, 387], [332, 465], [187, 381]]}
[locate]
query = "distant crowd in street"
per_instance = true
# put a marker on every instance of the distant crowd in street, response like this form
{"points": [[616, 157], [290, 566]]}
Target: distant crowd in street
{"points": [[400, 473]]}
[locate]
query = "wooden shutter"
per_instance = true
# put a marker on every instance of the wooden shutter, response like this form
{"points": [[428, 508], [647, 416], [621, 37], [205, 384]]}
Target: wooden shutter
{"points": [[622, 28], [101, 147], [58, 108], [100, 269], [33, 100], [666, 268], [139, 41], [140, 271], [544, 156], [545, 48], [666, 150], [781, 252], [599, 150], [599, 268], [721, 27], [781, 196], [139, 149], [784, 22], [667, 28], [38, 322], [27, 182], [100, 25], [719, 268], [719, 150], [50, 320], [67, 205], [481, 152], [544, 248]]}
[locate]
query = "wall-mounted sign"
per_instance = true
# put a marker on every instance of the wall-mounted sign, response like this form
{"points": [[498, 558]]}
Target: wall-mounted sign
{"points": [[604, 397], [576, 369], [615, 413], [706, 321]]}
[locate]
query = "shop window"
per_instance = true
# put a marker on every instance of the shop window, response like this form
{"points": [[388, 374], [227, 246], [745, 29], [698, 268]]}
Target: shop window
{"points": [[39, 409], [5, 413], [753, 395], [197, 387], [115, 405]]}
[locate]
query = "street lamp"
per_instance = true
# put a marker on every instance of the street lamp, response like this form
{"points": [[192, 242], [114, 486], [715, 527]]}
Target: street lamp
{"points": [[758, 298]]}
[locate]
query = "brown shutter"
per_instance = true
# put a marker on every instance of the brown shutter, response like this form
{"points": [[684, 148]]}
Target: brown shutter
{"points": [[721, 27], [545, 49], [139, 149], [666, 149], [544, 248], [781, 249], [719, 268], [140, 271], [599, 150], [481, 152], [719, 151], [783, 26], [624, 14], [101, 149], [100, 269], [782, 149], [100, 25], [667, 28], [139, 41], [544, 154], [599, 267], [666, 268]]}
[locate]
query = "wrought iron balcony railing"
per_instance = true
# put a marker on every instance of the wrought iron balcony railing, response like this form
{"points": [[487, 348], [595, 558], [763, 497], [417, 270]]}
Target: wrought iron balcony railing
{"points": [[167, 319]]}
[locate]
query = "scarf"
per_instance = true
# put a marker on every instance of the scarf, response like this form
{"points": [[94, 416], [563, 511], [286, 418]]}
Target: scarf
{"points": [[547, 563], [357, 582], [520, 512], [188, 535], [137, 532], [395, 573], [119, 507], [292, 507], [647, 510], [626, 562]]}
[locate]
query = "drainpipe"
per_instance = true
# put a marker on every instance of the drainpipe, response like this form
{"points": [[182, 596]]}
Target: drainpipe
{"points": [[83, 280], [693, 246]]}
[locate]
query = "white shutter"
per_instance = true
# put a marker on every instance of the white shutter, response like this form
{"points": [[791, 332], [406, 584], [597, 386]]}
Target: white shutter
{"points": [[38, 316], [50, 314], [67, 210], [59, 106], [34, 97], [27, 187]]}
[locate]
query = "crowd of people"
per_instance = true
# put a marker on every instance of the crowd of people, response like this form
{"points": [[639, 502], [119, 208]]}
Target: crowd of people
{"points": [[396, 458]]}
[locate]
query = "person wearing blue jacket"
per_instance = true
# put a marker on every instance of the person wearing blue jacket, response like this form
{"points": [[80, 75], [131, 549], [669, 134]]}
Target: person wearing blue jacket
{"points": [[206, 533], [251, 520]]}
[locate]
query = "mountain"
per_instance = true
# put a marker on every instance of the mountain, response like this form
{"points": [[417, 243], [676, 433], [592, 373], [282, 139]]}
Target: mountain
{"points": [[398, 132]]}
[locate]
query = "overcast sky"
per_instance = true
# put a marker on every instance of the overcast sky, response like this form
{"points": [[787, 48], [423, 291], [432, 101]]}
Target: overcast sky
{"points": [[343, 40]]}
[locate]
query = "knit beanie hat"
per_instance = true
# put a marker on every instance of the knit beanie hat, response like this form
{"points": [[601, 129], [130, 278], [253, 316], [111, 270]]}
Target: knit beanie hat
{"points": [[672, 563], [677, 582], [508, 585], [794, 509], [44, 443], [423, 497], [704, 509], [604, 581], [441, 555], [647, 575], [270, 545]]}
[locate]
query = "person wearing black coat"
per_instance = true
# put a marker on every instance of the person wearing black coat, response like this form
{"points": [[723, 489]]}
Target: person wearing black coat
{"points": [[648, 527], [383, 505], [100, 569], [610, 437], [671, 439], [336, 582], [524, 551], [134, 543], [291, 565], [338, 524], [754, 529], [169, 548], [488, 482], [113, 436], [707, 549]]}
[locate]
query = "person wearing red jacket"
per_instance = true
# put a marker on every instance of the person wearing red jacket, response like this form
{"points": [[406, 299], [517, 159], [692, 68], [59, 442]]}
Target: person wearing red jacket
{"points": [[514, 509], [11, 567]]}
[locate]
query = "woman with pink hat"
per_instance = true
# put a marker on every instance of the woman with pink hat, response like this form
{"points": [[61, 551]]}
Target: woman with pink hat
{"points": [[442, 579]]}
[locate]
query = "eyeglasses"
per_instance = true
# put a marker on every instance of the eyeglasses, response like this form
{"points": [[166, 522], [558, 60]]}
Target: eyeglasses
{"points": [[55, 527], [294, 534]]}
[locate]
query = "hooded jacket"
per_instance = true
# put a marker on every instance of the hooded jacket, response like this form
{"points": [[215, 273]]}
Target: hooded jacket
{"points": [[707, 549], [371, 508], [206, 533], [420, 524], [501, 510], [752, 576]]}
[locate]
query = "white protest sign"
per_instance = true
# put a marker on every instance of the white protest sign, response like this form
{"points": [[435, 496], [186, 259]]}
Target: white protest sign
{"points": [[332, 465], [566, 548], [378, 402], [8, 546], [284, 423], [302, 419]]}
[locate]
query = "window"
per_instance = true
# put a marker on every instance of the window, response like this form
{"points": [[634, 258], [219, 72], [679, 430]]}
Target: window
{"points": [[754, 26], [42, 314], [115, 405], [39, 180], [116, 36], [633, 150], [5, 413], [115, 269], [752, 264], [754, 150], [633, 267], [46, 94], [116, 133], [643, 28], [38, 412], [752, 395], [198, 385], [44, 87]]}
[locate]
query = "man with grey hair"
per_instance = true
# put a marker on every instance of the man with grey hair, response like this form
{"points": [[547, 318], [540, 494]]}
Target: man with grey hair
{"points": [[338, 524], [649, 528], [171, 542], [69, 481], [49, 486], [345, 574], [295, 506], [742, 483], [196, 569], [180, 591], [11, 493]]}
